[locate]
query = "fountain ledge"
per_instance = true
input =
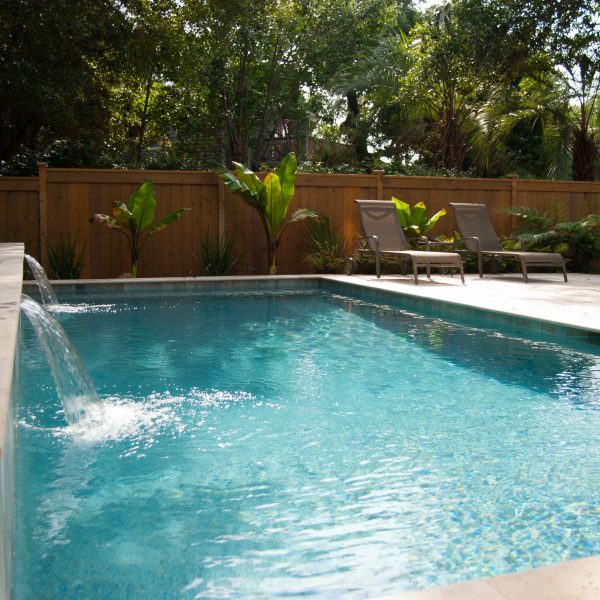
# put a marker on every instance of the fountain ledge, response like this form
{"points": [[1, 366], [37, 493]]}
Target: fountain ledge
{"points": [[11, 285]]}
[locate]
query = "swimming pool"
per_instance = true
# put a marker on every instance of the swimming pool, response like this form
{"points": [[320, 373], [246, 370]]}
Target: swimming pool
{"points": [[306, 443]]}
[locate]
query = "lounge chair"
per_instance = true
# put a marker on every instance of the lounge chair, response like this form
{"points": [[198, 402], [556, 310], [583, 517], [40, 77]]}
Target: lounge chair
{"points": [[474, 225], [384, 237]]}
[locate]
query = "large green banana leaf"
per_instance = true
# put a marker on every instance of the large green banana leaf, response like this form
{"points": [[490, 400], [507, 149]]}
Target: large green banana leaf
{"points": [[275, 208], [166, 221], [142, 206], [287, 178], [415, 221]]}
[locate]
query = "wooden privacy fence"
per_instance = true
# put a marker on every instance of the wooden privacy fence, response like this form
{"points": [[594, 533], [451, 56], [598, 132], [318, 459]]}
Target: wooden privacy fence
{"points": [[59, 202]]}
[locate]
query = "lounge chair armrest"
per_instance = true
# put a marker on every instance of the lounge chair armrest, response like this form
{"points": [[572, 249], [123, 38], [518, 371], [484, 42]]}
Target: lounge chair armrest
{"points": [[422, 239], [375, 239], [474, 238], [433, 242]]}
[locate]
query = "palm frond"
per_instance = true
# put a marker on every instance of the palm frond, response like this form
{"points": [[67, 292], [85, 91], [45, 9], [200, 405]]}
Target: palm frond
{"points": [[380, 69], [537, 221]]}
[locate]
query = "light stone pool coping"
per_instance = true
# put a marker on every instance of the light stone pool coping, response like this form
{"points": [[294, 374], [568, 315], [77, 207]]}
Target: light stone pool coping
{"points": [[11, 280], [545, 305]]}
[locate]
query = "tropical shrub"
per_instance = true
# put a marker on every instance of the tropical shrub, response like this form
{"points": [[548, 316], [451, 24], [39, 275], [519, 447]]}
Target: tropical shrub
{"points": [[135, 220], [64, 260], [579, 241], [415, 221], [270, 198], [327, 248], [218, 257]]}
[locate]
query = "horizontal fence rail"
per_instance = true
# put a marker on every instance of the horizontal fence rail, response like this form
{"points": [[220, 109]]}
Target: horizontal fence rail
{"points": [[57, 205]]}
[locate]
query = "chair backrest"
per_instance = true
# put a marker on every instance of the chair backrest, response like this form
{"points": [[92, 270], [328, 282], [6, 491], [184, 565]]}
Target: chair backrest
{"points": [[380, 218], [473, 220]]}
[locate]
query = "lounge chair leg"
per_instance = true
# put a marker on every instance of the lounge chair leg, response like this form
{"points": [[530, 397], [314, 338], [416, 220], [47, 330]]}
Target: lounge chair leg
{"points": [[377, 265], [415, 270], [524, 269], [462, 273], [480, 263], [564, 269]]}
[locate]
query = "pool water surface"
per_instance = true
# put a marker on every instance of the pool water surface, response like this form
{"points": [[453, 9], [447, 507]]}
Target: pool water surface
{"points": [[300, 444]]}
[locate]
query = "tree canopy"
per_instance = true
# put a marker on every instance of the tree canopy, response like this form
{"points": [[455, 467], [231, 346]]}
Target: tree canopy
{"points": [[478, 87]]}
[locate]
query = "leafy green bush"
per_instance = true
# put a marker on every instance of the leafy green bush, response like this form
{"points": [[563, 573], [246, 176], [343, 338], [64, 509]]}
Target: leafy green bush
{"points": [[64, 260], [327, 248], [579, 241], [415, 221], [218, 257]]}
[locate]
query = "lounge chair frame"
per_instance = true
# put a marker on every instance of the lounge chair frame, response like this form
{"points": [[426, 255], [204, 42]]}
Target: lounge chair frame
{"points": [[474, 219], [384, 237]]}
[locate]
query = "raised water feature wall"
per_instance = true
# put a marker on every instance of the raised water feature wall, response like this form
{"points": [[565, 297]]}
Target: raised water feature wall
{"points": [[11, 282]]}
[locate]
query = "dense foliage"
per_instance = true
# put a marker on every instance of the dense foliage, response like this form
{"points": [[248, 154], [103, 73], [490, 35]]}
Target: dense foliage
{"points": [[477, 87]]}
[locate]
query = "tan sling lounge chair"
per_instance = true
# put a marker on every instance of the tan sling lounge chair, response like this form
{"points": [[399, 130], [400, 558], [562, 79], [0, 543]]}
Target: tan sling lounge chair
{"points": [[474, 225], [384, 237]]}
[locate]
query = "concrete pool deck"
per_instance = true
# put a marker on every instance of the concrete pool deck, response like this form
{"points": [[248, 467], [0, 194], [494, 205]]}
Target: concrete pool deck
{"points": [[546, 297]]}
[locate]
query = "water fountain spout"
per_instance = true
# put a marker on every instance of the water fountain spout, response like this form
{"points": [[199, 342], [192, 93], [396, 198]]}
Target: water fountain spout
{"points": [[46, 290], [73, 383]]}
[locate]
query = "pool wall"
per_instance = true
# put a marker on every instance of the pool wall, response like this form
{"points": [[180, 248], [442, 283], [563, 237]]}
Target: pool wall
{"points": [[405, 298], [11, 279]]}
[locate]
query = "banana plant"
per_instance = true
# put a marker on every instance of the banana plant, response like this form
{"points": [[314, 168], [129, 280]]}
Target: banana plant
{"points": [[136, 220], [415, 222], [270, 198]]}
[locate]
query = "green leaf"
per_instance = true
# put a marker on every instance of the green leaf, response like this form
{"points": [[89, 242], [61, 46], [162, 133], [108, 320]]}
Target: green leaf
{"points": [[433, 220], [256, 187], [403, 210], [121, 213], [166, 221], [235, 186], [142, 205], [287, 177], [418, 215], [275, 209]]}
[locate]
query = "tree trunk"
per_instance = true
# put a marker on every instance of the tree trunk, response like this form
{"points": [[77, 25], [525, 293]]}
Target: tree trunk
{"points": [[357, 135], [261, 144], [237, 113], [140, 144], [585, 154]]}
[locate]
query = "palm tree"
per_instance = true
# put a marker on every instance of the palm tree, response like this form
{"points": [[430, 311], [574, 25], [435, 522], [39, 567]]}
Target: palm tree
{"points": [[582, 79], [526, 129]]}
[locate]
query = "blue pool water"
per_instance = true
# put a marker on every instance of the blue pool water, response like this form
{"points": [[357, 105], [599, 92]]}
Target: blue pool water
{"points": [[300, 444]]}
